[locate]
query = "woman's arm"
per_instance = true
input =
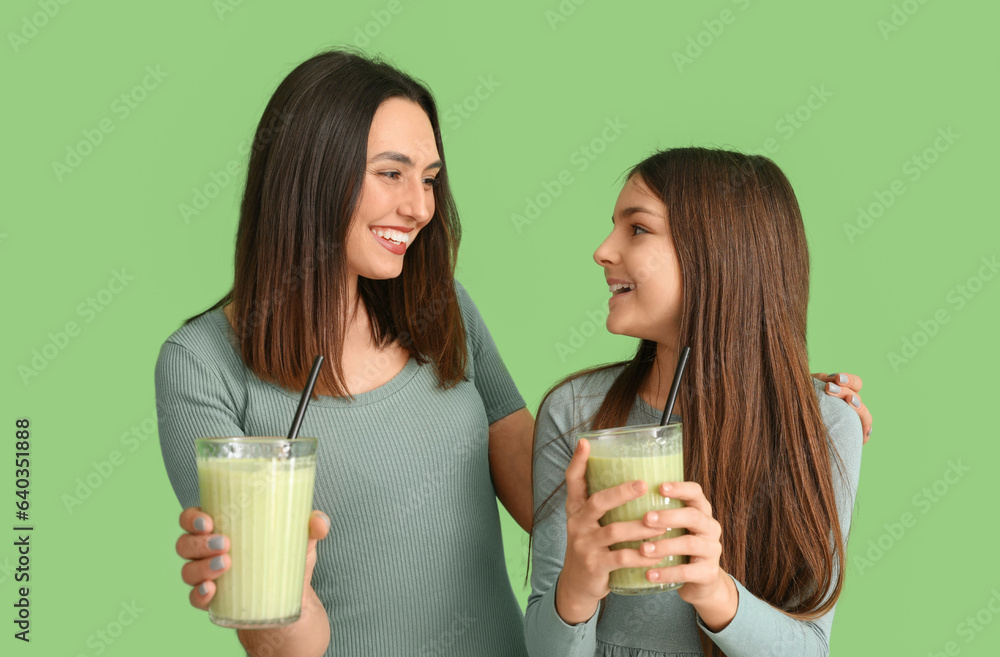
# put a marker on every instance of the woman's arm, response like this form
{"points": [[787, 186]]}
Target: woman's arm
{"points": [[510, 464]]}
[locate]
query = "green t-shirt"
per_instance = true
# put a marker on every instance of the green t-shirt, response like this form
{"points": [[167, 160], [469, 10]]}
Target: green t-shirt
{"points": [[414, 562]]}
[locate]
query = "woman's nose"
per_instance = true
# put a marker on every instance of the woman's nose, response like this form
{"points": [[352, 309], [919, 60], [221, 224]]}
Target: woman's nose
{"points": [[418, 202]]}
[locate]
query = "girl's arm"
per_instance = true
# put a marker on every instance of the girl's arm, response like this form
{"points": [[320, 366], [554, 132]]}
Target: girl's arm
{"points": [[741, 624]]}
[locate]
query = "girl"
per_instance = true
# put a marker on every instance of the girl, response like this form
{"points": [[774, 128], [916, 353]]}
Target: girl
{"points": [[708, 250]]}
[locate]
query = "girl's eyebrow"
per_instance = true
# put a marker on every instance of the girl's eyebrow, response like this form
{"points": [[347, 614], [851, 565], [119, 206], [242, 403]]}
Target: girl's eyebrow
{"points": [[629, 211], [396, 156]]}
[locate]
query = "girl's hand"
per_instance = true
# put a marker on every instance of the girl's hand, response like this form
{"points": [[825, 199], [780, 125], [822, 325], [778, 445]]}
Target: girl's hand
{"points": [[583, 581], [706, 586], [846, 386], [208, 557]]}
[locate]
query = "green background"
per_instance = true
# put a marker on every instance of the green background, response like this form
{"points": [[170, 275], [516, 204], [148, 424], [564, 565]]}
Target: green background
{"points": [[554, 86]]}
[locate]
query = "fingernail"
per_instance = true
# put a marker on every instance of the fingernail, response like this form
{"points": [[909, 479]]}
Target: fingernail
{"points": [[203, 590], [647, 548], [326, 519], [217, 563], [842, 379], [664, 489], [652, 516], [653, 575], [216, 543], [855, 402], [869, 432], [833, 388], [199, 524], [638, 486]]}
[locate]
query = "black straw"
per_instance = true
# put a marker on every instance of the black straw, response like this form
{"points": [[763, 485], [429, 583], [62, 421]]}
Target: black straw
{"points": [[306, 394], [675, 386]]}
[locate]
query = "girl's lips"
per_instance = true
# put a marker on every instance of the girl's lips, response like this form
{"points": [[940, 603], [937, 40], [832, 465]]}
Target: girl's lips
{"points": [[620, 294], [398, 249]]}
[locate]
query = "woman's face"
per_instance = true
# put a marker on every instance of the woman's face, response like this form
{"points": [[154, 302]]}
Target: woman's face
{"points": [[397, 195], [641, 267]]}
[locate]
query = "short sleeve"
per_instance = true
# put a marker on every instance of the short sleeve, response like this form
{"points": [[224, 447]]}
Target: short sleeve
{"points": [[191, 402], [493, 381]]}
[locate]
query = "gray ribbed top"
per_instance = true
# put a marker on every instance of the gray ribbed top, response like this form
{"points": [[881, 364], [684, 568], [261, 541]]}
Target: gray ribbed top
{"points": [[414, 562], [661, 624]]}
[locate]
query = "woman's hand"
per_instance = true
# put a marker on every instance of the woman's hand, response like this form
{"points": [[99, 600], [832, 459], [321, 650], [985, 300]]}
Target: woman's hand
{"points": [[846, 386], [706, 586], [208, 558], [583, 581]]}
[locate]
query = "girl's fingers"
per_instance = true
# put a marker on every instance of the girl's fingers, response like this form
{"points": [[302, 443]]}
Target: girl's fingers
{"points": [[196, 521], [196, 572], [690, 545], [576, 482], [610, 498], [690, 493], [681, 574], [626, 558], [691, 519], [202, 594], [195, 546], [619, 532]]}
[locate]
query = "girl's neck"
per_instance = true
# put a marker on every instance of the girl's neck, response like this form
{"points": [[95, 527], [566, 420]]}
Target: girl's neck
{"points": [[655, 389]]}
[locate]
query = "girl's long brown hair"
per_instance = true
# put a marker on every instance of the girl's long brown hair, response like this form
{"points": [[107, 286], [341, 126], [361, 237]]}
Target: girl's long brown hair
{"points": [[753, 435], [304, 181]]}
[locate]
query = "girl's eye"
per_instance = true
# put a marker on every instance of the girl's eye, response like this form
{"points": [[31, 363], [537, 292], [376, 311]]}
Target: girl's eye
{"points": [[638, 228]]}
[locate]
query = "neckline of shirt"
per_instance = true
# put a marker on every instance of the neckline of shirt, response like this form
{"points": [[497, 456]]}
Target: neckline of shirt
{"points": [[372, 396]]}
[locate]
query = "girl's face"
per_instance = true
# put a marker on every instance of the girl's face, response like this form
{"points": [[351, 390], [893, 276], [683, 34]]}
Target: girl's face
{"points": [[397, 195], [641, 267]]}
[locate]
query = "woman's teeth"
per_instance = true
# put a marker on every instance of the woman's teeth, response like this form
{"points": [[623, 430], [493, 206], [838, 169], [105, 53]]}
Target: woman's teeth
{"points": [[621, 287], [391, 235]]}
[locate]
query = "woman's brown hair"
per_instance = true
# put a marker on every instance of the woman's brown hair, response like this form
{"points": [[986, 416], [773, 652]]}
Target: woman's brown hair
{"points": [[304, 181], [760, 451]]}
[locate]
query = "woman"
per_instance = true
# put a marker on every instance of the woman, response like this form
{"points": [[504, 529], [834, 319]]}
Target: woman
{"points": [[352, 180], [346, 247], [708, 250]]}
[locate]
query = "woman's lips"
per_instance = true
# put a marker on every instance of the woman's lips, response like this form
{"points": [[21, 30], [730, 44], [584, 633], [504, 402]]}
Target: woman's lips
{"points": [[398, 249]]}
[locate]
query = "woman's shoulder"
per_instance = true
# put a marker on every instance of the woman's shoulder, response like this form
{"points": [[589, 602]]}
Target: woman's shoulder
{"points": [[206, 338]]}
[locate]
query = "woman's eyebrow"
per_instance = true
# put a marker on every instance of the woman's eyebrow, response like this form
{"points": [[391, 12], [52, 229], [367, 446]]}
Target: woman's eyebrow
{"points": [[396, 156]]}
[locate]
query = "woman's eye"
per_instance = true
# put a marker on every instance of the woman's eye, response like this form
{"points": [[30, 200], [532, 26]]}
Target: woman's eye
{"points": [[636, 228], [391, 175], [433, 182]]}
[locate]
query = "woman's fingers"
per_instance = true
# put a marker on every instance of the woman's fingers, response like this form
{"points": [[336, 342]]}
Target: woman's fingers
{"points": [[196, 521], [196, 546], [690, 493], [202, 594], [319, 525], [196, 572], [851, 396], [845, 379], [576, 481]]}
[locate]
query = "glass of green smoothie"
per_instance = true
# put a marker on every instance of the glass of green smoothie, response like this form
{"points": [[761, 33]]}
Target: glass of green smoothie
{"points": [[654, 454], [259, 492]]}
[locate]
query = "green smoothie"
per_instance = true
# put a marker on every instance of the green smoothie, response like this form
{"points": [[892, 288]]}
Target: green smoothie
{"points": [[263, 506], [605, 469]]}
